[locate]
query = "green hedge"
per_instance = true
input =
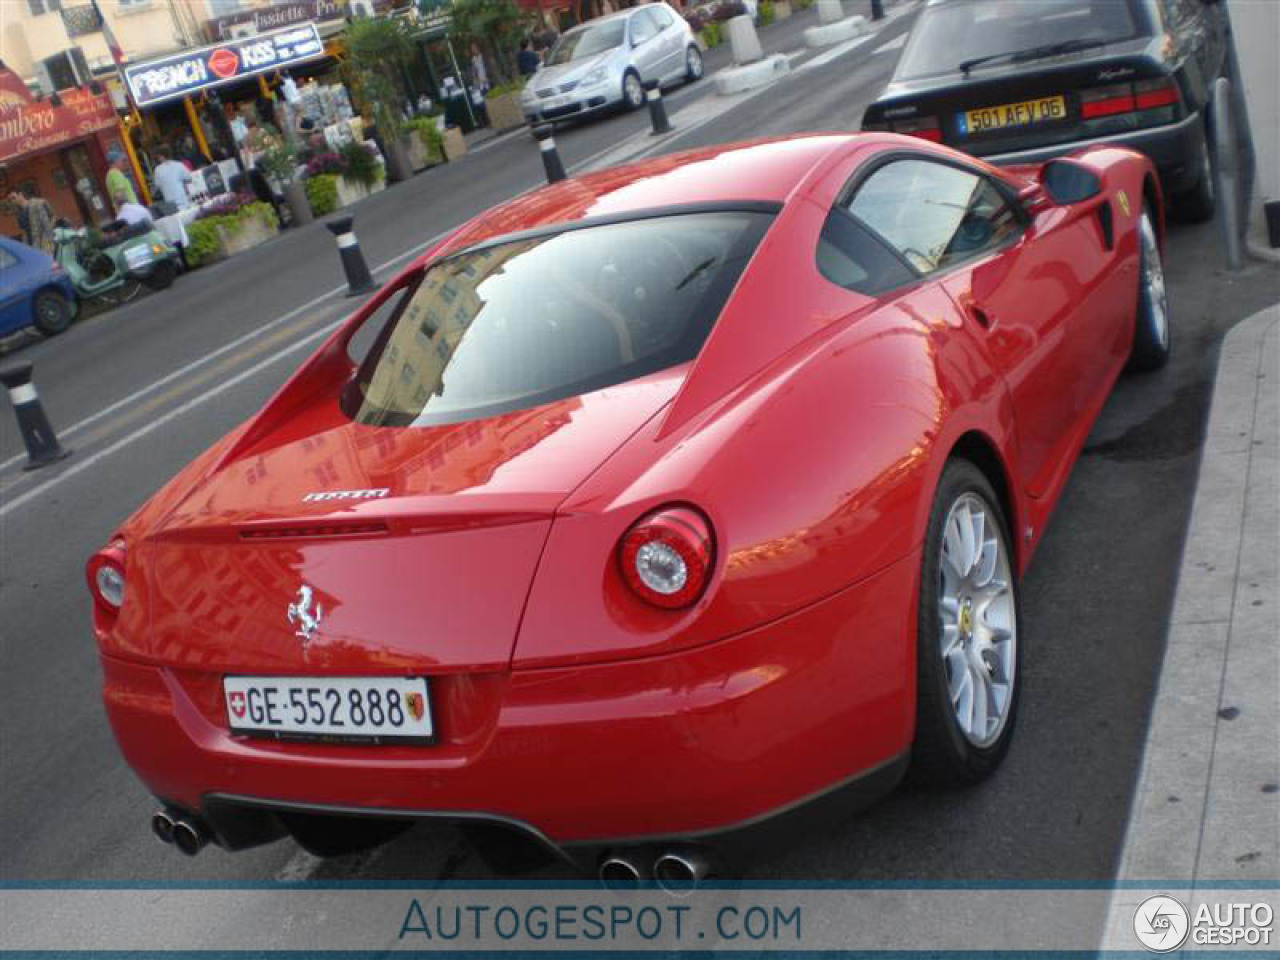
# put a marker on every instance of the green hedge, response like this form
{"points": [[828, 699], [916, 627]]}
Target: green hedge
{"points": [[767, 13], [711, 34], [322, 193]]}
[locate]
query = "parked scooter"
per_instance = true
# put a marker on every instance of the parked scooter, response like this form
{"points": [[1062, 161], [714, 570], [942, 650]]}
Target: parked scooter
{"points": [[116, 269]]}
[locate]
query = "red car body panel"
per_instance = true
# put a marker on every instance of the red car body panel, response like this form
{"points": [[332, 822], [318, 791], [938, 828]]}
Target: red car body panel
{"points": [[811, 430]]}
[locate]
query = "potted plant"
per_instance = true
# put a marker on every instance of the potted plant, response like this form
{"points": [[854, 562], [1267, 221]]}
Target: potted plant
{"points": [[379, 50], [362, 174], [494, 28], [502, 103], [426, 142], [280, 164], [237, 223]]}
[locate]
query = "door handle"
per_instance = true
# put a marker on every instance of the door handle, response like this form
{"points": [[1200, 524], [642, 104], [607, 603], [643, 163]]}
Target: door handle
{"points": [[983, 318]]}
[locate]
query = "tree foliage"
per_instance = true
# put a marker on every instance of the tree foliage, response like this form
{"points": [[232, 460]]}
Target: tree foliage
{"points": [[496, 27]]}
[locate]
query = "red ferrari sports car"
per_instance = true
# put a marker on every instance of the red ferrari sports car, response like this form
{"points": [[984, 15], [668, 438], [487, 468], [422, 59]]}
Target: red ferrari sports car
{"points": [[653, 509]]}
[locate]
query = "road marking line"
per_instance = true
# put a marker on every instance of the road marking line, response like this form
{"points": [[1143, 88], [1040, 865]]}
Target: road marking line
{"points": [[893, 44], [225, 348], [81, 466]]}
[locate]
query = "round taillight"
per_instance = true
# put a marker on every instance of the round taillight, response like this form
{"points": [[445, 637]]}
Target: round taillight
{"points": [[106, 577], [666, 557]]}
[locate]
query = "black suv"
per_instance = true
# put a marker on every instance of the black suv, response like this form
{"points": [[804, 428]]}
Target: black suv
{"points": [[1020, 81]]}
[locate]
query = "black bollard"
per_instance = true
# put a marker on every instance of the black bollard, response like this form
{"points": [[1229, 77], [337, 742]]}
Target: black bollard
{"points": [[657, 109], [877, 10], [42, 443], [359, 280], [550, 155]]}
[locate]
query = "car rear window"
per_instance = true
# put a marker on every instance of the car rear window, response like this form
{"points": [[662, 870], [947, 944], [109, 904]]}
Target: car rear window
{"points": [[517, 324], [949, 34]]}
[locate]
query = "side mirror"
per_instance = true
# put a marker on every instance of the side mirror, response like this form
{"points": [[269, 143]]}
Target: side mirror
{"points": [[1068, 182]]}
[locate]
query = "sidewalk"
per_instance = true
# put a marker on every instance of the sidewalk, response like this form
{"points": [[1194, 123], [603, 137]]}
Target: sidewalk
{"points": [[1207, 805]]}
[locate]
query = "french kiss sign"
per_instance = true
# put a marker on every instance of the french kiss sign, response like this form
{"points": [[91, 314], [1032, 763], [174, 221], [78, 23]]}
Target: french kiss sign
{"points": [[190, 71]]}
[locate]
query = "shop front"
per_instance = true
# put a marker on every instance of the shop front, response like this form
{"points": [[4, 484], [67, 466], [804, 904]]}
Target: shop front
{"points": [[199, 102], [58, 145]]}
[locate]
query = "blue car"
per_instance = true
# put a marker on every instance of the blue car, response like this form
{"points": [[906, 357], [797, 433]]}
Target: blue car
{"points": [[34, 291]]}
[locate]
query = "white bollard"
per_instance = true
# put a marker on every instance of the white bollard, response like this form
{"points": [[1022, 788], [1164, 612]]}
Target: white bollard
{"points": [[743, 39], [830, 11]]}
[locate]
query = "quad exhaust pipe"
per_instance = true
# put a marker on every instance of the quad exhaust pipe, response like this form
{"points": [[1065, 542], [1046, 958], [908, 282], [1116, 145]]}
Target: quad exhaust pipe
{"points": [[188, 833], [677, 872]]}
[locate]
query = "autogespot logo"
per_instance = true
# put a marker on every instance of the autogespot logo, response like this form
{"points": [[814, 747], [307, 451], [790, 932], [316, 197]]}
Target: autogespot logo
{"points": [[1161, 924]]}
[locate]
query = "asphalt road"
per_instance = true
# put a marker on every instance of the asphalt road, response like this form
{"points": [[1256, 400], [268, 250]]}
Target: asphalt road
{"points": [[1096, 601]]}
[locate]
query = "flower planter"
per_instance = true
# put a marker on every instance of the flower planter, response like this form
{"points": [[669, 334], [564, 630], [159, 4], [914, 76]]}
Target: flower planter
{"points": [[504, 111], [781, 9], [248, 234], [295, 195], [352, 191], [420, 155], [454, 145]]}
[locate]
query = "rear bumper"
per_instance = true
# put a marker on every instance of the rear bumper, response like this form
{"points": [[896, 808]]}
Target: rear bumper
{"points": [[1173, 148], [714, 740]]}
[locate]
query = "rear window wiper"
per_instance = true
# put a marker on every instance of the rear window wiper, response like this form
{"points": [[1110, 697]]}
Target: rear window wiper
{"points": [[1033, 53]]}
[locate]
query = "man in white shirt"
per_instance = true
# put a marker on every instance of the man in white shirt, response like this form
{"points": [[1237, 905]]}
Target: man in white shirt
{"points": [[171, 178], [134, 214]]}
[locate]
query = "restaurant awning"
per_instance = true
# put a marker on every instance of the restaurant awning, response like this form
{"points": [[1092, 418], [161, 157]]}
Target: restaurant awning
{"points": [[29, 126]]}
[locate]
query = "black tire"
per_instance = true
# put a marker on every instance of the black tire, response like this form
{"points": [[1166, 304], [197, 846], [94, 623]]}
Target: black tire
{"points": [[1151, 325], [322, 835], [162, 275], [692, 75], [943, 754], [1197, 205], [50, 312], [629, 102]]}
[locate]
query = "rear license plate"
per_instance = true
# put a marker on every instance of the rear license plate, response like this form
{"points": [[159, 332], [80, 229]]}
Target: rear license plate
{"points": [[368, 709], [1023, 114], [137, 257]]}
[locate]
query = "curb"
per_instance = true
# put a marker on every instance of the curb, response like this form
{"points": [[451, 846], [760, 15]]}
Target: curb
{"points": [[1206, 806]]}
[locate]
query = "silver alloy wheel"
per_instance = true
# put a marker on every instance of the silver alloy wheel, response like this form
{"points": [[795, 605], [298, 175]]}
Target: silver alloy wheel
{"points": [[979, 641], [1153, 267], [693, 63], [632, 91]]}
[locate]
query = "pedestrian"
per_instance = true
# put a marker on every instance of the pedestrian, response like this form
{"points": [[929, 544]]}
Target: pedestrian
{"points": [[37, 225], [526, 59], [171, 179], [119, 184], [479, 75]]}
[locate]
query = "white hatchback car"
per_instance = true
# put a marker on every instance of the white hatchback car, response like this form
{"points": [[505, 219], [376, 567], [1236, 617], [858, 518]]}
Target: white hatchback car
{"points": [[606, 62]]}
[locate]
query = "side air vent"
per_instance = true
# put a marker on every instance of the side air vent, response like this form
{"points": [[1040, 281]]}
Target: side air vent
{"points": [[1108, 226]]}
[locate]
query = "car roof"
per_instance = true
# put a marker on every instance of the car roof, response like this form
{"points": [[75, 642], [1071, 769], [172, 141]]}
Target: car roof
{"points": [[619, 15], [760, 171]]}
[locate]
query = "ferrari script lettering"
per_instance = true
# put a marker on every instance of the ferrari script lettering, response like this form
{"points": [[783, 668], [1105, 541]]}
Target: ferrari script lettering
{"points": [[374, 494]]}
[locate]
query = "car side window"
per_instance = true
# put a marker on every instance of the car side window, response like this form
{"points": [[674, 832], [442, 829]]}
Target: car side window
{"points": [[934, 214], [642, 28], [850, 256], [662, 17]]}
